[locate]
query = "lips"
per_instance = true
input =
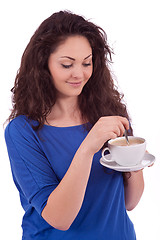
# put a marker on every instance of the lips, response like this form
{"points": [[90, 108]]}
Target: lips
{"points": [[75, 84]]}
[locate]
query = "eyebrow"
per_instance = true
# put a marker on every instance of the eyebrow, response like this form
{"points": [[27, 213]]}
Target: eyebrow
{"points": [[73, 59]]}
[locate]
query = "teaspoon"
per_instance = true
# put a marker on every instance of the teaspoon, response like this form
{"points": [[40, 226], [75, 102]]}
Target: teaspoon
{"points": [[126, 137]]}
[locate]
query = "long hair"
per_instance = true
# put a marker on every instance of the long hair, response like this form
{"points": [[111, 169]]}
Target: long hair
{"points": [[34, 93]]}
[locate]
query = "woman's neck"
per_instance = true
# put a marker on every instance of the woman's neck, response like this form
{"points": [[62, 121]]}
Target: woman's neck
{"points": [[65, 112]]}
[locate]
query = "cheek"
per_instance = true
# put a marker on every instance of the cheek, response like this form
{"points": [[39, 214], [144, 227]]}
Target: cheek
{"points": [[88, 73], [59, 76]]}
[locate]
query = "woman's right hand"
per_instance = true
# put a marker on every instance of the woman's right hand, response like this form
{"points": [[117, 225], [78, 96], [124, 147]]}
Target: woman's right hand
{"points": [[105, 128]]}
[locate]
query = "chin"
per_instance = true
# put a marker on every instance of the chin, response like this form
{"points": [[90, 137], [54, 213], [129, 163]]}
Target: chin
{"points": [[76, 92]]}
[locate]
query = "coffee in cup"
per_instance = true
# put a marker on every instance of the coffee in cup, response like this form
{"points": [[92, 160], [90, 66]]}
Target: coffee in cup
{"points": [[126, 154]]}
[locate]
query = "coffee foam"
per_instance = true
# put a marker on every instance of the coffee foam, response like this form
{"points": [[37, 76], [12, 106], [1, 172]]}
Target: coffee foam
{"points": [[122, 142]]}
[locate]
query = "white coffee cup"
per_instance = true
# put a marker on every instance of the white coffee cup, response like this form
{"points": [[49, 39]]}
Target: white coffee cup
{"points": [[124, 154]]}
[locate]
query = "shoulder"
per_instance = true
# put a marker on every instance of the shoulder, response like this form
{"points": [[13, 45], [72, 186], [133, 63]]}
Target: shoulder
{"points": [[21, 126], [20, 123]]}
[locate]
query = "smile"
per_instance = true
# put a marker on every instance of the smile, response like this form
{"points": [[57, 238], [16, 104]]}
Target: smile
{"points": [[74, 84]]}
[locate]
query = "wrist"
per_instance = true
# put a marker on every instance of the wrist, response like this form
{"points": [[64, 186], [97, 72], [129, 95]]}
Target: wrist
{"points": [[85, 150]]}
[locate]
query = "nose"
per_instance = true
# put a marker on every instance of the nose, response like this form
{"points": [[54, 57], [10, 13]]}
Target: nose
{"points": [[77, 72]]}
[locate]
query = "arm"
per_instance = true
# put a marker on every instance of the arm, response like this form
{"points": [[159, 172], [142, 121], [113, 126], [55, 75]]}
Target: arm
{"points": [[66, 200], [133, 188]]}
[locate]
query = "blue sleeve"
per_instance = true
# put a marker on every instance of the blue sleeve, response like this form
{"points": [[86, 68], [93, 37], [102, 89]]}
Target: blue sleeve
{"points": [[30, 167]]}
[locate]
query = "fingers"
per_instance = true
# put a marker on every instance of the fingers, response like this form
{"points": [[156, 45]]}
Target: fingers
{"points": [[109, 127], [119, 125], [121, 129], [151, 165], [113, 126], [118, 130], [111, 135], [124, 122]]}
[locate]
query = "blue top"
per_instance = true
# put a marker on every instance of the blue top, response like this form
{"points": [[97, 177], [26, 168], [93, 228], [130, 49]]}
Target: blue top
{"points": [[39, 160]]}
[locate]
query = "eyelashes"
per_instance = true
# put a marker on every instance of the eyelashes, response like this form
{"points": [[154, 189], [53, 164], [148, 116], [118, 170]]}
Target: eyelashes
{"points": [[87, 64], [70, 65], [66, 66]]}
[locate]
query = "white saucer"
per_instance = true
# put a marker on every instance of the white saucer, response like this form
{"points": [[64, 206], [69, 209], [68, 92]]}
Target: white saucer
{"points": [[147, 160]]}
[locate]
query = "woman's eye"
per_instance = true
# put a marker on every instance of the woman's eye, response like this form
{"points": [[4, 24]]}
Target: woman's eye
{"points": [[66, 66], [87, 64]]}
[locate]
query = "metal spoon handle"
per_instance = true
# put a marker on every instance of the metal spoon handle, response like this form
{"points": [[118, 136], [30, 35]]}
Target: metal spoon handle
{"points": [[126, 136]]}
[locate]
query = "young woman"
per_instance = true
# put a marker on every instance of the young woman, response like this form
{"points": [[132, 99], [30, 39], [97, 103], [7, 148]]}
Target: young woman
{"points": [[65, 109]]}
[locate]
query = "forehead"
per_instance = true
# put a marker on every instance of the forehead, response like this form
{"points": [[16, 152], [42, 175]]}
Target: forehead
{"points": [[74, 46]]}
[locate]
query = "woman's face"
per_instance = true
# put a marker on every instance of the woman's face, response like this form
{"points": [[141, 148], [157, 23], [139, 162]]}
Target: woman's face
{"points": [[71, 66]]}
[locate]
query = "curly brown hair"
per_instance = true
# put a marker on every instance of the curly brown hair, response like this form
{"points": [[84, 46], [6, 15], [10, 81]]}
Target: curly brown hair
{"points": [[34, 93]]}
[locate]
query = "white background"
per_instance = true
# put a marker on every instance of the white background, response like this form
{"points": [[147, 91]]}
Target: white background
{"points": [[133, 32]]}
